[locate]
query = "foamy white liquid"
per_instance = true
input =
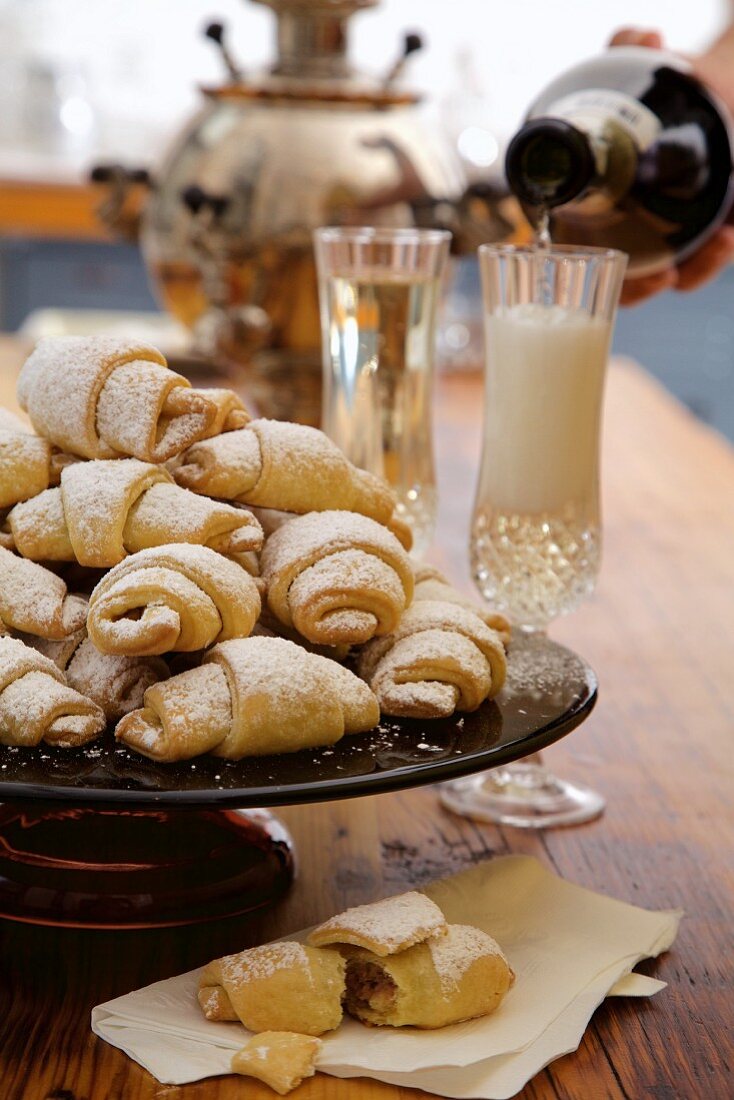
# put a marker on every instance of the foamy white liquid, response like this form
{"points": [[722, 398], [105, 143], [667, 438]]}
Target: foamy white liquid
{"points": [[543, 399]]}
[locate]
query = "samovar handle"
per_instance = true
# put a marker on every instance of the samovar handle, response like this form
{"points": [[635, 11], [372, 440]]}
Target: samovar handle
{"points": [[125, 190]]}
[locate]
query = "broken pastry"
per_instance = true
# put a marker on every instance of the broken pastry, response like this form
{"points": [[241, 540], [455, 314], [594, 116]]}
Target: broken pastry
{"points": [[277, 987], [383, 927], [447, 979], [281, 1059]]}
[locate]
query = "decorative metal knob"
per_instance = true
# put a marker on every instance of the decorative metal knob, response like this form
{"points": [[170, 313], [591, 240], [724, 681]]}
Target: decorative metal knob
{"points": [[411, 43], [216, 32]]}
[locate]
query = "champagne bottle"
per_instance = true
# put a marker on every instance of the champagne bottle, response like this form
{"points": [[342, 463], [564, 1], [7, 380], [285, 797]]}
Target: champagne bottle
{"points": [[626, 151]]}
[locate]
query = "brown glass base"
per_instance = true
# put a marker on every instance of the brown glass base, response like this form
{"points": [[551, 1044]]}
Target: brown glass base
{"points": [[81, 868]]}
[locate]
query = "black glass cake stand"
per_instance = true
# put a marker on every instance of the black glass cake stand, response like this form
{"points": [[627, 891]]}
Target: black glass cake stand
{"points": [[100, 837]]}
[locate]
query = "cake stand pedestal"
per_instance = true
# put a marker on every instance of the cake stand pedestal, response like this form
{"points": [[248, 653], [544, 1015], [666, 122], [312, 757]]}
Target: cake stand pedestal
{"points": [[82, 867]]}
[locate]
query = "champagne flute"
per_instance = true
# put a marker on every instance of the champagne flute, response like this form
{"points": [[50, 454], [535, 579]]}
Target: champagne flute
{"points": [[379, 291], [535, 543]]}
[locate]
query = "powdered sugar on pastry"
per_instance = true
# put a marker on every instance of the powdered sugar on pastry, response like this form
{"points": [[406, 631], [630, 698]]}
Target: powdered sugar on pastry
{"points": [[329, 532], [430, 584], [116, 684], [174, 597], [262, 962], [284, 466], [429, 675], [332, 562], [457, 950], [440, 657], [383, 927], [61, 381], [145, 409], [25, 465], [36, 704], [34, 600], [226, 467]]}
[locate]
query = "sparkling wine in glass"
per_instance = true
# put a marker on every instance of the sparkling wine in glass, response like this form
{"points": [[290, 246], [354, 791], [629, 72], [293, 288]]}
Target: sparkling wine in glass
{"points": [[379, 291], [535, 543]]}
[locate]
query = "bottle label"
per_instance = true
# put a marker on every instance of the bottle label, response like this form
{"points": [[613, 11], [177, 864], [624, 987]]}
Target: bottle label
{"points": [[595, 105]]}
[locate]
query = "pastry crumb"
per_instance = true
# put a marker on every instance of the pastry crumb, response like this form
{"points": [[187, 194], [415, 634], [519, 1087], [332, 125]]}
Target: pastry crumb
{"points": [[280, 1059]]}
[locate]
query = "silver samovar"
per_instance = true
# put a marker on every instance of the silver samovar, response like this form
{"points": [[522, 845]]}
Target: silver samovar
{"points": [[226, 229]]}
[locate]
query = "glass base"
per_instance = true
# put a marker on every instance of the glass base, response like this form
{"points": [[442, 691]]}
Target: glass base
{"points": [[524, 795]]}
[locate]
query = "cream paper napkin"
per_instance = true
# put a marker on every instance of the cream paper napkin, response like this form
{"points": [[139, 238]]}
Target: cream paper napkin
{"points": [[569, 947]]}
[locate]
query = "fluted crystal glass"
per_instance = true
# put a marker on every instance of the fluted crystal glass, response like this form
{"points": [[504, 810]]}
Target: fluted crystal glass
{"points": [[535, 542], [378, 290]]}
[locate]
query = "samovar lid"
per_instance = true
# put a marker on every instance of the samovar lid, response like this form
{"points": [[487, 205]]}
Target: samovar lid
{"points": [[312, 61]]}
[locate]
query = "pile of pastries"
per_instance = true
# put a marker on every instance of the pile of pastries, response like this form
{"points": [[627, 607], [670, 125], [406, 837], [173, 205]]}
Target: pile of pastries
{"points": [[206, 582], [394, 963]]}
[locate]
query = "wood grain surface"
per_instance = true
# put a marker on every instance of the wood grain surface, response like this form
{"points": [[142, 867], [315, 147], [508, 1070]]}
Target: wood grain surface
{"points": [[659, 747]]}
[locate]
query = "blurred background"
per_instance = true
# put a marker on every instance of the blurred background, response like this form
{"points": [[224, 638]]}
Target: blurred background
{"points": [[89, 82]]}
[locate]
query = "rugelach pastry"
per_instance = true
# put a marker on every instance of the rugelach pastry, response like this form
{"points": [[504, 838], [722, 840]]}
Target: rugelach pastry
{"points": [[104, 397], [440, 658], [230, 415], [9, 422], [450, 978], [271, 519], [430, 584], [107, 509], [176, 597], [276, 987], [37, 705], [336, 577], [250, 697], [116, 684], [280, 1059], [383, 927], [288, 467], [28, 463], [35, 601]]}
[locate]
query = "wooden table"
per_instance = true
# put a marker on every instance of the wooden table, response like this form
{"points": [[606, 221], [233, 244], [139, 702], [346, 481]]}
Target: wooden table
{"points": [[659, 746], [66, 211]]}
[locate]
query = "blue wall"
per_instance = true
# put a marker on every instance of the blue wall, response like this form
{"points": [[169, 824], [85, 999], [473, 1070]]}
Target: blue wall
{"points": [[687, 341]]}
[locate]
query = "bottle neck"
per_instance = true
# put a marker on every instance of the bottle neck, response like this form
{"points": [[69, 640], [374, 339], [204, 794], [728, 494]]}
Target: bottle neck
{"points": [[554, 161], [550, 162]]}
